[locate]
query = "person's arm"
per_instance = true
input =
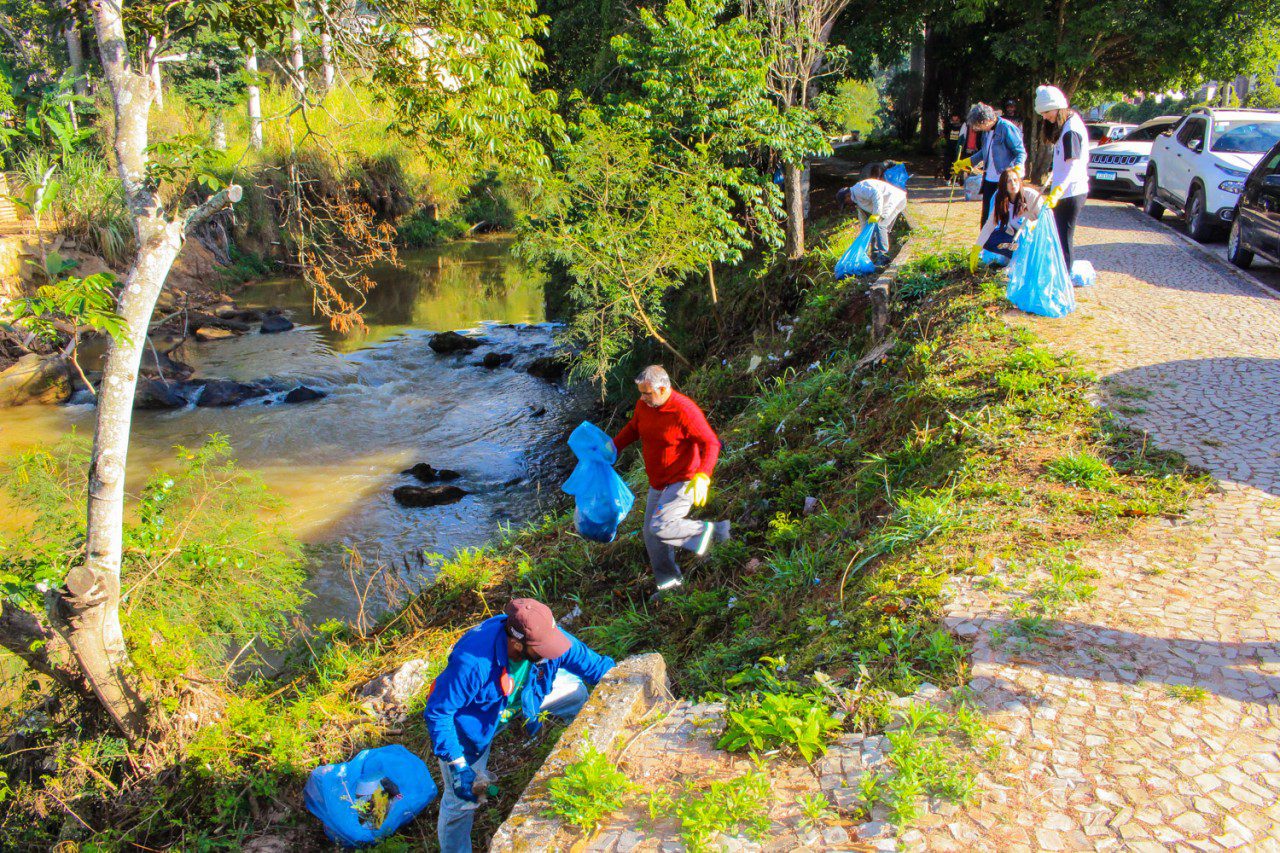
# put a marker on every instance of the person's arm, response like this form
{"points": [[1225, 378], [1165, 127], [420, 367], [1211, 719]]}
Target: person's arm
{"points": [[454, 688], [585, 662], [1072, 145], [1013, 138], [629, 434], [867, 198], [695, 424], [1035, 203]]}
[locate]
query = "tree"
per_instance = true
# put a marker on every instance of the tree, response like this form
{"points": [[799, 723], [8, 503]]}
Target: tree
{"points": [[795, 42], [474, 82], [211, 80]]}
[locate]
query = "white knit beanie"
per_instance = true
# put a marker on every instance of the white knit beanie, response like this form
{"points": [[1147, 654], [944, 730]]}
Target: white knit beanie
{"points": [[1050, 98]]}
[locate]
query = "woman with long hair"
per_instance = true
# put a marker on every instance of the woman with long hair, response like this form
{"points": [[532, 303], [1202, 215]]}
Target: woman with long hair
{"points": [[1013, 206], [1064, 129]]}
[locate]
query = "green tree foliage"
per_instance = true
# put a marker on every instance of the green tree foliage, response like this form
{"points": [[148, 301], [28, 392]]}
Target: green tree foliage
{"points": [[207, 568], [850, 107]]}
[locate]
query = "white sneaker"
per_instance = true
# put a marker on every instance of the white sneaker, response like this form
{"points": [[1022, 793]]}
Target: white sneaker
{"points": [[669, 583]]}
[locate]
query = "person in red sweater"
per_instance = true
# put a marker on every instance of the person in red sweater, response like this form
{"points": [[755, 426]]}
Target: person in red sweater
{"points": [[680, 451]]}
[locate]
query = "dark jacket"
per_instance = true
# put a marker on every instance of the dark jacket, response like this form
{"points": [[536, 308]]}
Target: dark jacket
{"points": [[466, 699]]}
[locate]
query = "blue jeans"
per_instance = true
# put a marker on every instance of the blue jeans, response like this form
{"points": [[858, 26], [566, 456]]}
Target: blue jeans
{"points": [[568, 695]]}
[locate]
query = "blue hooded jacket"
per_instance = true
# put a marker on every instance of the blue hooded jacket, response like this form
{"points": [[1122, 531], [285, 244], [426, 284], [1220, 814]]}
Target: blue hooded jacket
{"points": [[1004, 142], [466, 699]]}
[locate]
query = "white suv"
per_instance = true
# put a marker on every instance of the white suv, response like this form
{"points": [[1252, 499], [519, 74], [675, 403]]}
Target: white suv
{"points": [[1199, 168]]}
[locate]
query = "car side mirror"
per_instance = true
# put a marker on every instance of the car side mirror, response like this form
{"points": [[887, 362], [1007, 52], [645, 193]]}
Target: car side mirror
{"points": [[1271, 181]]}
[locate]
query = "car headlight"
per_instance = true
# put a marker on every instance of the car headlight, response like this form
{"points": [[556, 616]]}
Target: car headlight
{"points": [[1236, 187], [1234, 173]]}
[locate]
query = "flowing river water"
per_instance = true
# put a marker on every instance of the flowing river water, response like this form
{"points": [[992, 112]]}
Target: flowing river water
{"points": [[391, 402]]}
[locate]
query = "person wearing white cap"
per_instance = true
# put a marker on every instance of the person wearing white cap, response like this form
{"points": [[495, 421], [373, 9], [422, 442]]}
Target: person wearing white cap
{"points": [[1069, 186]]}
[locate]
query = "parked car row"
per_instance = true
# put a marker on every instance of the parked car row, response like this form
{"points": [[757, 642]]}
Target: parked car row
{"points": [[1119, 168]]}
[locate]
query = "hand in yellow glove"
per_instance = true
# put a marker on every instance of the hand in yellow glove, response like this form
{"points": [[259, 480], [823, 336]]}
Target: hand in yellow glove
{"points": [[961, 166], [974, 252], [1055, 196], [698, 488], [875, 217]]}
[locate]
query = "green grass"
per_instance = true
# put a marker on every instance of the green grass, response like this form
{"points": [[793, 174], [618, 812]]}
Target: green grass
{"points": [[1189, 694], [1082, 469]]}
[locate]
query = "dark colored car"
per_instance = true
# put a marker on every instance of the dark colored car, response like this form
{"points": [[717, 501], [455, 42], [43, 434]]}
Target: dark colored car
{"points": [[1255, 231]]}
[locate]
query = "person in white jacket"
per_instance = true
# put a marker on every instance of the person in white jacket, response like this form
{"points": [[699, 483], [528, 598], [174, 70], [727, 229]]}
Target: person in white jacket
{"points": [[1014, 206], [1065, 130], [877, 201]]}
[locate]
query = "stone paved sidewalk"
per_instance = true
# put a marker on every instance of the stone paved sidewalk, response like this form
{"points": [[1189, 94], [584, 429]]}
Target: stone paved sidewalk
{"points": [[1151, 721]]}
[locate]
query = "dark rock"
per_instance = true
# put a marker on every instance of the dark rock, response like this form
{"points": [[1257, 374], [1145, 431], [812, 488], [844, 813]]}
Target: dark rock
{"points": [[154, 395], [160, 366], [303, 394], [451, 342], [223, 392], [428, 495], [35, 378], [549, 367], [244, 315], [425, 473], [514, 481], [497, 359], [273, 323], [201, 320], [537, 411]]}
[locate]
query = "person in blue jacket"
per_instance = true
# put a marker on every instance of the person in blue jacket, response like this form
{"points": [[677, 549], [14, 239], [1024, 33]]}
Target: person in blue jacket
{"points": [[1002, 148], [517, 662]]}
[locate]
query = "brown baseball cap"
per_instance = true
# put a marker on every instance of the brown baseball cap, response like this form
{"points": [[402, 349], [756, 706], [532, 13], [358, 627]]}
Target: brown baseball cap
{"points": [[531, 622]]}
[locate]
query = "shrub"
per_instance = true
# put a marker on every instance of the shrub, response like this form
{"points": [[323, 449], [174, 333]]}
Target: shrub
{"points": [[764, 721], [590, 789], [735, 806], [469, 569]]}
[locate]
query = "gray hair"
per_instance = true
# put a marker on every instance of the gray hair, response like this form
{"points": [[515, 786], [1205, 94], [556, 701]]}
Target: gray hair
{"points": [[981, 113], [655, 376]]}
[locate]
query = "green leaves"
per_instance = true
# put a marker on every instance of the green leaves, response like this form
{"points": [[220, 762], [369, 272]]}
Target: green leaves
{"points": [[767, 720], [590, 790], [88, 301]]}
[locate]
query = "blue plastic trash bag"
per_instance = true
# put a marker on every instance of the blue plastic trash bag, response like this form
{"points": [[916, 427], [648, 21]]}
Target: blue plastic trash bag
{"points": [[897, 175], [856, 259], [993, 259], [973, 188], [601, 499], [1038, 279], [349, 797], [1083, 274]]}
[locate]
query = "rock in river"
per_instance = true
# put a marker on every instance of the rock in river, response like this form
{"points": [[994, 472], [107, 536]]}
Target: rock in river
{"points": [[428, 495], [450, 342], [154, 395], [427, 474], [496, 359], [303, 394], [275, 322], [549, 367], [214, 333], [223, 392], [35, 379]]}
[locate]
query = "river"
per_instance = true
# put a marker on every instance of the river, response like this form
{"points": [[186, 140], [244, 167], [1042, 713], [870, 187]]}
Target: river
{"points": [[391, 402]]}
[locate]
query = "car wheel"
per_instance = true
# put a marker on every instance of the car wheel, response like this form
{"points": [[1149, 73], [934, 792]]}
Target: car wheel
{"points": [[1236, 252], [1150, 206], [1199, 226]]}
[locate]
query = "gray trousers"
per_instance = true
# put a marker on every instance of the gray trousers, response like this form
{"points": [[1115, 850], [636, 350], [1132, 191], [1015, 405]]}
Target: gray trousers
{"points": [[667, 527], [880, 241]]}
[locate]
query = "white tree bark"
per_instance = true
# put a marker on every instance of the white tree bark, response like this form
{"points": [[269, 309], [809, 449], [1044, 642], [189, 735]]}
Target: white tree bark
{"points": [[86, 612], [153, 67], [255, 101], [75, 49], [297, 62], [218, 131]]}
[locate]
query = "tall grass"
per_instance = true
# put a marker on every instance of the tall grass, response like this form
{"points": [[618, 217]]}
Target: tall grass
{"points": [[89, 205]]}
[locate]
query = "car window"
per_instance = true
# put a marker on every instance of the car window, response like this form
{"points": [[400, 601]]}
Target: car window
{"points": [[1147, 134], [1096, 132], [1246, 136], [1273, 164], [1192, 134]]}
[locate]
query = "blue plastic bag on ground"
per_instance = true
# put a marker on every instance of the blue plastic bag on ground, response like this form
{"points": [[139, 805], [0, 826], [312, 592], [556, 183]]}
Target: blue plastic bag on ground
{"points": [[1083, 274], [897, 175], [856, 259], [601, 499], [343, 795], [1038, 278]]}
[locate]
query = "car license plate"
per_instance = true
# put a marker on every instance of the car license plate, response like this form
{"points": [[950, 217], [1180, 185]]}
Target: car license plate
{"points": [[1105, 176]]}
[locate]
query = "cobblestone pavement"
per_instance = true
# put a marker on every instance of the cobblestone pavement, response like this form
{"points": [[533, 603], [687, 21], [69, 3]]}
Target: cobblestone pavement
{"points": [[1151, 720]]}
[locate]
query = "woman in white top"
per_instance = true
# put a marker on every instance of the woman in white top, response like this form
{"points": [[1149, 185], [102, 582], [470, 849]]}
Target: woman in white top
{"points": [[1014, 206], [1069, 187]]}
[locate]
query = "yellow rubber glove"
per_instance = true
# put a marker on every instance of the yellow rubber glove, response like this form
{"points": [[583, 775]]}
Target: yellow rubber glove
{"points": [[961, 166], [1055, 196], [698, 488], [875, 217], [974, 252]]}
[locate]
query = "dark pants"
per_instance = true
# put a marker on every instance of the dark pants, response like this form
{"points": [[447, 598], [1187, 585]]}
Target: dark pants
{"points": [[1065, 215], [988, 192]]}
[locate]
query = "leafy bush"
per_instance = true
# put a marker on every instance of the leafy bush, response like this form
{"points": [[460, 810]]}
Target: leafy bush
{"points": [[764, 721], [590, 789], [735, 806], [469, 569], [421, 231]]}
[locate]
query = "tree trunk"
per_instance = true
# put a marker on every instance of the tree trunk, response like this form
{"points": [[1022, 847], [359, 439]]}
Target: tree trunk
{"points": [[915, 81], [793, 198], [326, 52], [75, 49], [153, 66], [931, 97], [218, 131], [254, 100], [296, 62], [41, 649]]}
